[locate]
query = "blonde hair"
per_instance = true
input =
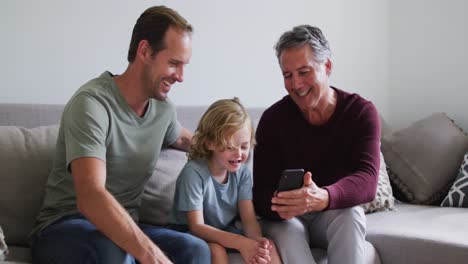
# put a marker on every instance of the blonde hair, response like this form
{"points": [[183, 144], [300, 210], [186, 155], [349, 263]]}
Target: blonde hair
{"points": [[222, 119]]}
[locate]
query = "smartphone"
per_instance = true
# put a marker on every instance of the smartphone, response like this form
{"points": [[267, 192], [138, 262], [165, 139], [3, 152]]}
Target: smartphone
{"points": [[291, 179]]}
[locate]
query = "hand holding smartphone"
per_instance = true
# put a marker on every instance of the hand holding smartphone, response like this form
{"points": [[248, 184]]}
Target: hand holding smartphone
{"points": [[291, 179]]}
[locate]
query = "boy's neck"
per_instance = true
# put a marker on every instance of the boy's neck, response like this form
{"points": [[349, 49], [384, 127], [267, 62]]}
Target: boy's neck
{"points": [[220, 175]]}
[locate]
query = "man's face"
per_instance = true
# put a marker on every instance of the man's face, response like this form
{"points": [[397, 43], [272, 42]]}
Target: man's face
{"points": [[305, 79], [167, 66]]}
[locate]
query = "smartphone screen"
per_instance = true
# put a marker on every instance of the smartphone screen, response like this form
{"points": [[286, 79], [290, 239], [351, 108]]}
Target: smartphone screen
{"points": [[291, 179]]}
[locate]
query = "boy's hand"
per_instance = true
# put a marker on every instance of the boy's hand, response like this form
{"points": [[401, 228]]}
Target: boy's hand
{"points": [[264, 243], [253, 252]]}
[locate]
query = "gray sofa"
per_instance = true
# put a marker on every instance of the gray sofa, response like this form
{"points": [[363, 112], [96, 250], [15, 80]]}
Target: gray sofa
{"points": [[410, 234]]}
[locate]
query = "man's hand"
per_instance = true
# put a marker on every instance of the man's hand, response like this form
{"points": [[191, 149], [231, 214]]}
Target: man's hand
{"points": [[155, 256], [309, 198]]}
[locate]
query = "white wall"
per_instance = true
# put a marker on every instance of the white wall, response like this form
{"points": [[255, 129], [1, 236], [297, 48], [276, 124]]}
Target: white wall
{"points": [[428, 43], [51, 47]]}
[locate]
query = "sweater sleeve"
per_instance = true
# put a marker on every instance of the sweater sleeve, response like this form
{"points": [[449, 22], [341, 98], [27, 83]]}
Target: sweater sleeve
{"points": [[360, 185]]}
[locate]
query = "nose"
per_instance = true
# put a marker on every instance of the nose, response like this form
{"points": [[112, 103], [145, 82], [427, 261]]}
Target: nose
{"points": [[239, 152], [296, 82], [179, 74]]}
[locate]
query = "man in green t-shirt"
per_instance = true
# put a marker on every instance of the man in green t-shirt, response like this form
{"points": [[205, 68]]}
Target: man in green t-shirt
{"points": [[111, 134]]}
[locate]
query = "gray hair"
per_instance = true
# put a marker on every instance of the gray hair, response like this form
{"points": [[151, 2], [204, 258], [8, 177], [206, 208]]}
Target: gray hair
{"points": [[302, 35]]}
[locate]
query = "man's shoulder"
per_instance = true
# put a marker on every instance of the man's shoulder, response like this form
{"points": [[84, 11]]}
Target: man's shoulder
{"points": [[356, 108], [103, 81], [353, 102], [94, 89]]}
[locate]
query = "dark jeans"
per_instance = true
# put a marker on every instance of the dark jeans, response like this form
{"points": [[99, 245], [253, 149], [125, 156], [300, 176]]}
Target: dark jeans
{"points": [[76, 240]]}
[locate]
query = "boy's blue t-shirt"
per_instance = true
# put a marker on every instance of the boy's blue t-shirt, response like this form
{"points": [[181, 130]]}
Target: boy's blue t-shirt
{"points": [[196, 189]]}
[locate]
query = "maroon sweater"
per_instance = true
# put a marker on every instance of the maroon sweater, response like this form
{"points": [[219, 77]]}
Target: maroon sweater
{"points": [[342, 154]]}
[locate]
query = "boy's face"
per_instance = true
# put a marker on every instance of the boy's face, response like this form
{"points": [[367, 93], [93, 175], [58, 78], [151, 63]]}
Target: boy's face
{"points": [[231, 158]]}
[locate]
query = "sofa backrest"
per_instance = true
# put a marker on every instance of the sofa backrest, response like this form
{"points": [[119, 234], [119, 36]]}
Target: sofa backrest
{"points": [[27, 143], [30, 115]]}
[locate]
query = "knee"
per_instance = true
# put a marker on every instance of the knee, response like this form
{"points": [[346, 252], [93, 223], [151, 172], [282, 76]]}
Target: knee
{"points": [[197, 249], [290, 227], [218, 253], [93, 249], [352, 217], [275, 258], [355, 214], [105, 251]]}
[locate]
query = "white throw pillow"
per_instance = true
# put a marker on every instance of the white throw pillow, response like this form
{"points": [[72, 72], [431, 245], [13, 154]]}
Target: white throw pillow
{"points": [[458, 194], [384, 200], [3, 246]]}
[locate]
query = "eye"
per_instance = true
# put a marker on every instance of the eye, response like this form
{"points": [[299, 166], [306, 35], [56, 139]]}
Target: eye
{"points": [[303, 73], [174, 63], [287, 75]]}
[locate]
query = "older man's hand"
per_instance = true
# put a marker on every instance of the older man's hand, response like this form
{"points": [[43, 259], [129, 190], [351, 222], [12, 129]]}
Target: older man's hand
{"points": [[309, 198]]}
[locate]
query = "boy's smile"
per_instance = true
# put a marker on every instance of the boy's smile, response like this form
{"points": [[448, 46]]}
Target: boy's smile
{"points": [[231, 158]]}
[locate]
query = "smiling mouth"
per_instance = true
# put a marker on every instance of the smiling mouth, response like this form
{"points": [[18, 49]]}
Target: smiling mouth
{"points": [[235, 162], [167, 83], [304, 93]]}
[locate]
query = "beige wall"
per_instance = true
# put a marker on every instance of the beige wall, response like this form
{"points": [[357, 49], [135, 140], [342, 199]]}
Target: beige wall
{"points": [[428, 62], [51, 47]]}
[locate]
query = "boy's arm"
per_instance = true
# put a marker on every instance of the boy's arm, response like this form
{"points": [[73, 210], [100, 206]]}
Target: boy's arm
{"points": [[249, 248], [249, 220], [208, 233]]}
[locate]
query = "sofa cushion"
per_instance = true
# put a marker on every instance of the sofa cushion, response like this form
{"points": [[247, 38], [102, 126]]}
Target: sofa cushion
{"points": [[383, 200], [425, 157], [420, 234], [158, 195], [25, 162], [18, 255], [458, 194]]}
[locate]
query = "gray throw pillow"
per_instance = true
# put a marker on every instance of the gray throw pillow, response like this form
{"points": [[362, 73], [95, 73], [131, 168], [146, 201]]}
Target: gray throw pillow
{"points": [[458, 194], [26, 158], [159, 191], [384, 200], [3, 246], [424, 158]]}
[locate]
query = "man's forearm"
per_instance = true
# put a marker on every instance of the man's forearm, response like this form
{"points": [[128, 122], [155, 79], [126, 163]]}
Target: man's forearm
{"points": [[184, 140], [101, 208]]}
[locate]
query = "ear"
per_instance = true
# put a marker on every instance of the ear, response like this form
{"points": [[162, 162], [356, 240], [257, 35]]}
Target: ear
{"points": [[328, 67], [144, 50]]}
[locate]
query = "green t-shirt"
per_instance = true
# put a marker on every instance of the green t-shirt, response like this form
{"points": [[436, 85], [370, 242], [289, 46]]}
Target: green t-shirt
{"points": [[98, 122]]}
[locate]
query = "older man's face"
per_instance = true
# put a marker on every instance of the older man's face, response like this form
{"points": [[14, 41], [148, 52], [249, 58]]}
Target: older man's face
{"points": [[305, 79]]}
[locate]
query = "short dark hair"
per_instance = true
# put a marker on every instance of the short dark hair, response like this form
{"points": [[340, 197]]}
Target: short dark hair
{"points": [[305, 35], [152, 26]]}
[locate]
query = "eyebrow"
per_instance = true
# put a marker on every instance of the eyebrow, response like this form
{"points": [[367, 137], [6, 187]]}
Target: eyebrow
{"points": [[176, 61]]}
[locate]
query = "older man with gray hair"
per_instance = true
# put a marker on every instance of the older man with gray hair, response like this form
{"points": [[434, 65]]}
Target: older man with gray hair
{"points": [[335, 137]]}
